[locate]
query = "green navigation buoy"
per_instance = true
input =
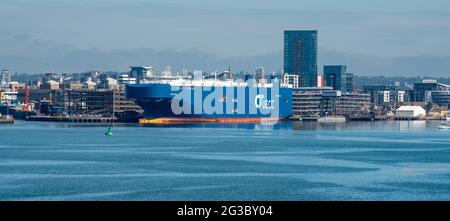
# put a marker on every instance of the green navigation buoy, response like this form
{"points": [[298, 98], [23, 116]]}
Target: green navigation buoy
{"points": [[108, 132]]}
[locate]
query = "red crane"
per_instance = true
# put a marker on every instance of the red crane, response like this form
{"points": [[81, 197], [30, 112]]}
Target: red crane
{"points": [[26, 106], [27, 94]]}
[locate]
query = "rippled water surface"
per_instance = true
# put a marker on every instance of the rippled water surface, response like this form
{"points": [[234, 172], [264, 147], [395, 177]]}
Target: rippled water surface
{"points": [[288, 161]]}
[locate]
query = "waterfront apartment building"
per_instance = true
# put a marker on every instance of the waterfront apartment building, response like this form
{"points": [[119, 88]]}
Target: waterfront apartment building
{"points": [[37, 95], [73, 86], [86, 101], [349, 83], [122, 104], [291, 79], [393, 96], [441, 97], [314, 102], [306, 101], [333, 75], [354, 105], [16, 86], [125, 79], [140, 73], [5, 77], [90, 76], [380, 94], [423, 91], [350, 105], [51, 85], [300, 55], [100, 102], [50, 76], [9, 97]]}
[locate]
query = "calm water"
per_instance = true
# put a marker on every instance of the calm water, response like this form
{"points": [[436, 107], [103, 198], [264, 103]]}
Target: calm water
{"points": [[289, 161]]}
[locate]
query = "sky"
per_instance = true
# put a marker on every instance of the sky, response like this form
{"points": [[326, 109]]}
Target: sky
{"points": [[389, 37]]}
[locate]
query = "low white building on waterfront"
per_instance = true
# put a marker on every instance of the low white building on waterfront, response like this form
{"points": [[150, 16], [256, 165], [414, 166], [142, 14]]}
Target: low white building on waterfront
{"points": [[410, 113], [291, 79]]}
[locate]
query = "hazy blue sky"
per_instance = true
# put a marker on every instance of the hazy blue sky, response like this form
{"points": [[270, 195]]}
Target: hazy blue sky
{"points": [[407, 37]]}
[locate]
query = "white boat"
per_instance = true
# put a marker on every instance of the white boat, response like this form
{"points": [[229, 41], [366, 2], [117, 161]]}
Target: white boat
{"points": [[443, 127]]}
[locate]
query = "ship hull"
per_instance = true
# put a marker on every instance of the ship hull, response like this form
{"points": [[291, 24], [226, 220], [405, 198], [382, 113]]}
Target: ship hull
{"points": [[178, 120], [157, 102]]}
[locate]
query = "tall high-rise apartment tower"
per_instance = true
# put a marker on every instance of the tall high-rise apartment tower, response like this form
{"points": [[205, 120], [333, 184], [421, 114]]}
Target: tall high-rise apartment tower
{"points": [[300, 56]]}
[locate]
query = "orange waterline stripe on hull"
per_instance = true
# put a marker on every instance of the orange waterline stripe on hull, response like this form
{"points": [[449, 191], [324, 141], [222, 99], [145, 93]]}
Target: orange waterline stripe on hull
{"points": [[205, 120]]}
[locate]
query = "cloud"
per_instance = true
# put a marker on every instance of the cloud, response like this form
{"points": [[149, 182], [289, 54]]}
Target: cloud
{"points": [[120, 60], [385, 37], [230, 28], [396, 66], [194, 59]]}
